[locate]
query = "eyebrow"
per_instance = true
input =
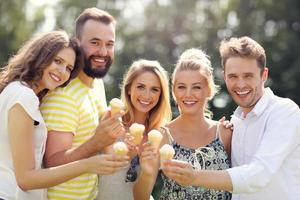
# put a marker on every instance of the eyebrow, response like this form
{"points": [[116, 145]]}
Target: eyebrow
{"points": [[98, 39], [197, 83], [69, 65]]}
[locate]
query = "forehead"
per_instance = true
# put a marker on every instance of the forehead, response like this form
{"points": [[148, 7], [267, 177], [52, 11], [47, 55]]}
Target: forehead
{"points": [[67, 54], [147, 78], [189, 76], [93, 29], [236, 65]]}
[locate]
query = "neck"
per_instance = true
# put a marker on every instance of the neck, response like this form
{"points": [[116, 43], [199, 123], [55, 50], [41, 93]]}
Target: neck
{"points": [[87, 80], [195, 120], [140, 117]]}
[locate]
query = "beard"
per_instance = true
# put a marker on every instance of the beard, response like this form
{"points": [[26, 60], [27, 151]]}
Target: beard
{"points": [[96, 73]]}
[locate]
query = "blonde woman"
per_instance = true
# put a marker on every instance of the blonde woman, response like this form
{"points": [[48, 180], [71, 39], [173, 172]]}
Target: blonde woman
{"points": [[195, 137], [145, 93]]}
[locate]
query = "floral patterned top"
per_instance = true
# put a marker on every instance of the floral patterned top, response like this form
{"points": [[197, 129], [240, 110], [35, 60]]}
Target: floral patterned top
{"points": [[211, 157]]}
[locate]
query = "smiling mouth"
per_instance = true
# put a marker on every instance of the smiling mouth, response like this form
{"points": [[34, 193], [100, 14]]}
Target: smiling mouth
{"points": [[146, 103], [55, 78], [189, 103], [243, 93]]}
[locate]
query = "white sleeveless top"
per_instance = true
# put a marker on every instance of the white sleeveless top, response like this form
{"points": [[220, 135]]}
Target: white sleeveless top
{"points": [[16, 93]]}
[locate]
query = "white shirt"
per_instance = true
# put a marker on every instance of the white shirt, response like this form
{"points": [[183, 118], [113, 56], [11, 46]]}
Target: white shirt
{"points": [[16, 93], [266, 150]]}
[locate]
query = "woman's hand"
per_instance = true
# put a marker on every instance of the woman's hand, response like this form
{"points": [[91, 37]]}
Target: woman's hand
{"points": [[149, 159], [107, 163]]}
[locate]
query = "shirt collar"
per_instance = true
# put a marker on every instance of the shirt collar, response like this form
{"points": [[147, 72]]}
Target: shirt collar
{"points": [[259, 107]]}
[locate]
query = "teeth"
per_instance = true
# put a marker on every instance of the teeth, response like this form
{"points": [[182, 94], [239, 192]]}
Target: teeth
{"points": [[189, 102], [144, 102], [99, 59], [243, 92], [56, 78]]}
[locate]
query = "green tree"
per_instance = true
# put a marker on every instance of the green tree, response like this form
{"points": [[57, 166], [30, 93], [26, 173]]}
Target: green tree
{"points": [[16, 26]]}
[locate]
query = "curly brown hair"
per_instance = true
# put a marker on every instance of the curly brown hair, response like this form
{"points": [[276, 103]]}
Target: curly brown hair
{"points": [[34, 56]]}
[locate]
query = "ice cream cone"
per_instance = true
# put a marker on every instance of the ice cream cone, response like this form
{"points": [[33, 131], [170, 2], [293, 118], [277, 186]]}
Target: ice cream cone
{"points": [[137, 130], [116, 106], [155, 137], [166, 153], [120, 148]]}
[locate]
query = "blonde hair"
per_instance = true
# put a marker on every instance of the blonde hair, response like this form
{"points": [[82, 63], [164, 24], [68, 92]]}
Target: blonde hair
{"points": [[197, 60], [161, 113], [37, 54], [243, 47]]}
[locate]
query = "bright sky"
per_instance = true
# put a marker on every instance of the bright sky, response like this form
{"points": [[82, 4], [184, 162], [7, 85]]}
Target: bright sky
{"points": [[49, 12]]}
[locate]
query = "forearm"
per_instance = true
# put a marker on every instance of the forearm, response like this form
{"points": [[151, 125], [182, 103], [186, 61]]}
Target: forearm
{"points": [[44, 178], [214, 179], [143, 187], [85, 150]]}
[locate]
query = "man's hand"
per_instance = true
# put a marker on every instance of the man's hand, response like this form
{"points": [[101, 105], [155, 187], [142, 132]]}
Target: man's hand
{"points": [[109, 129], [180, 171]]}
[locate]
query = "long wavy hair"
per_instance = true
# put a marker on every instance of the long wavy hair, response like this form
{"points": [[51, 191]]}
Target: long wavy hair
{"points": [[161, 113], [28, 65]]}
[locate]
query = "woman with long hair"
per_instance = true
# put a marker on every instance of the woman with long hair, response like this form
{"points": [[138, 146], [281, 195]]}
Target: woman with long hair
{"points": [[145, 93], [195, 137], [45, 62]]}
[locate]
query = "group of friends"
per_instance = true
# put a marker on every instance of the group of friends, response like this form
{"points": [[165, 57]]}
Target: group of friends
{"points": [[56, 131]]}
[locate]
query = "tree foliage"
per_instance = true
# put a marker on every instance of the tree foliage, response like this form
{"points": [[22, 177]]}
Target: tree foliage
{"points": [[162, 29]]}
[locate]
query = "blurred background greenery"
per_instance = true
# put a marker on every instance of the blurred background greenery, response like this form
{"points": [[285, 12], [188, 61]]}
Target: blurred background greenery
{"points": [[162, 29]]}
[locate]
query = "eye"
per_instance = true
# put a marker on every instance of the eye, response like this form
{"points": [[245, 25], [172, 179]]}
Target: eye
{"points": [[140, 87], [248, 76], [232, 76], [181, 87], [95, 43], [70, 68], [156, 89], [197, 87], [57, 61], [110, 45]]}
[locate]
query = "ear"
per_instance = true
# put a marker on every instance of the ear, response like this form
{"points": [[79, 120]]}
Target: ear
{"points": [[224, 76], [78, 41], [129, 92], [265, 74]]}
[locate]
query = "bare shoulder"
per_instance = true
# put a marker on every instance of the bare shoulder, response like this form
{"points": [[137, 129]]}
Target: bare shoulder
{"points": [[226, 135]]}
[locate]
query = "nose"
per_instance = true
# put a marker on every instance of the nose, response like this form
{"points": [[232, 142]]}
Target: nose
{"points": [[102, 51], [147, 94], [62, 69], [188, 92], [241, 82]]}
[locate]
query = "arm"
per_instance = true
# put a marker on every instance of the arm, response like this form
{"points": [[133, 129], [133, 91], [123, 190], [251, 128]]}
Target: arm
{"points": [[22, 147], [183, 173], [149, 162], [276, 151], [59, 144], [226, 136]]}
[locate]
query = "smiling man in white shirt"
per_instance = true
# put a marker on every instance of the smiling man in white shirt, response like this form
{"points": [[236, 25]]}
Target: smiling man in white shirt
{"points": [[266, 138]]}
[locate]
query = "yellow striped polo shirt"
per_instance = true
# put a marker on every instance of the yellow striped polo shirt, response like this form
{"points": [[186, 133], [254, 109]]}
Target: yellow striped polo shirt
{"points": [[75, 108]]}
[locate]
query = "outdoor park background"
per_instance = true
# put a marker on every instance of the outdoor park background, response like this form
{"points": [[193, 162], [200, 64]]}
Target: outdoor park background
{"points": [[162, 29]]}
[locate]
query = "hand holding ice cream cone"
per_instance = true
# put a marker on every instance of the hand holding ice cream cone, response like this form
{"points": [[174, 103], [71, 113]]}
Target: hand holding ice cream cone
{"points": [[166, 153], [120, 148], [116, 106], [137, 130], [155, 137]]}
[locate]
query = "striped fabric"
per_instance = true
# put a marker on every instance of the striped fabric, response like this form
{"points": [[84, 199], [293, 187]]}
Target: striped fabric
{"points": [[75, 108]]}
